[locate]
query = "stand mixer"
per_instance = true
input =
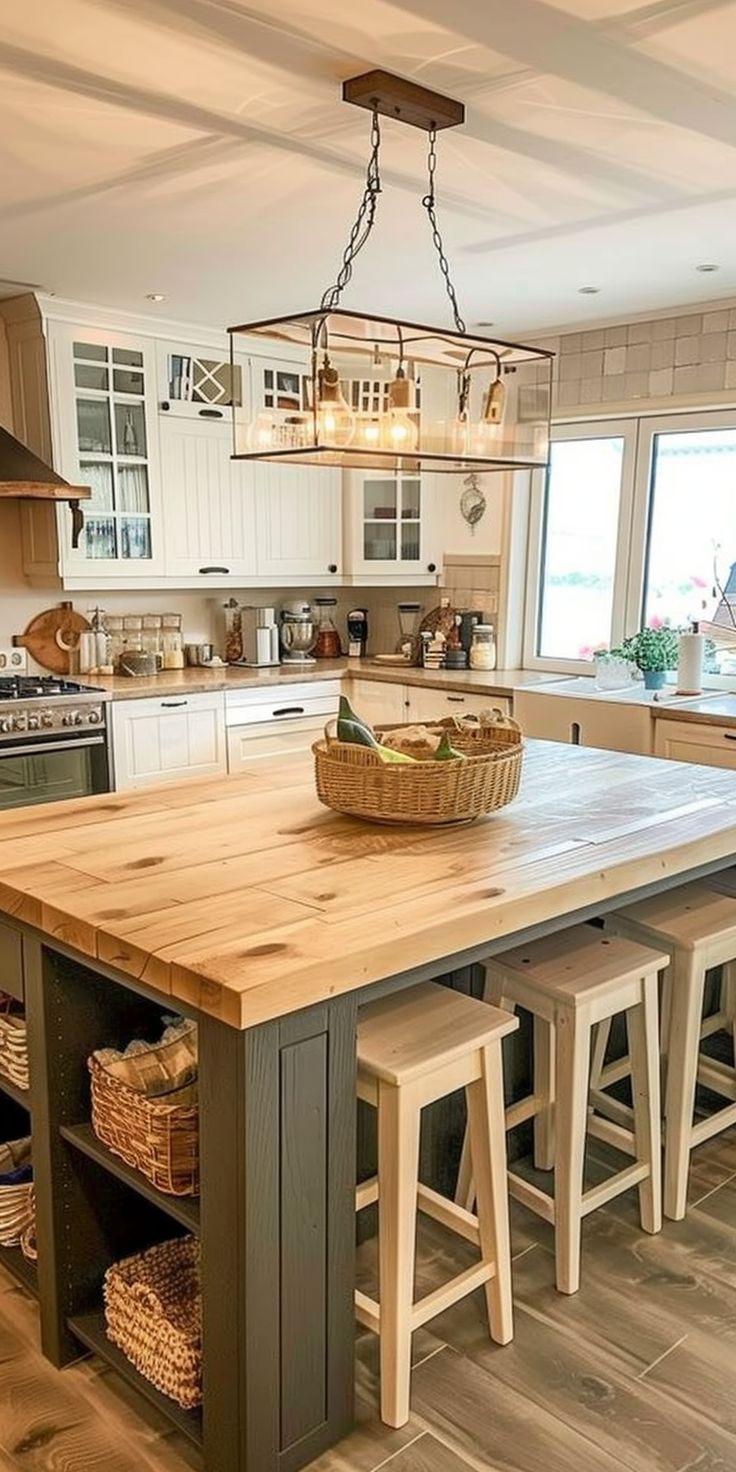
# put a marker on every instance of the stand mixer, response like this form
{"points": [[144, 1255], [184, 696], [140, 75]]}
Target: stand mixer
{"points": [[298, 631]]}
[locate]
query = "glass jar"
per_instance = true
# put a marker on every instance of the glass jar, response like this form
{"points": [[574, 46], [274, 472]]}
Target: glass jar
{"points": [[328, 645], [483, 648], [233, 632]]}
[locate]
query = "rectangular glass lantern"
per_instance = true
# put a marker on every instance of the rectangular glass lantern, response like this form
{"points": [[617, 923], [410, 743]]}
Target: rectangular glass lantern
{"points": [[373, 393]]}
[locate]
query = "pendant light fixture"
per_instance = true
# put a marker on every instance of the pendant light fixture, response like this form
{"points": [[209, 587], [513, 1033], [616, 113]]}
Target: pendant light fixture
{"points": [[377, 393]]}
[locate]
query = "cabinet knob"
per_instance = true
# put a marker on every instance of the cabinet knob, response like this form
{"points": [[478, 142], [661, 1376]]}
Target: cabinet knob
{"points": [[332, 567], [165, 405], [431, 567]]}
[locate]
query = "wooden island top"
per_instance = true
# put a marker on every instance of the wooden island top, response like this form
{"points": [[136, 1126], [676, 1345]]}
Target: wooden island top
{"points": [[244, 898]]}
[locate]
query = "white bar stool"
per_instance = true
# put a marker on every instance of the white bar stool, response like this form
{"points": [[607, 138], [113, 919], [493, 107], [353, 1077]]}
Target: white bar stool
{"points": [[570, 982], [696, 925], [414, 1047]]}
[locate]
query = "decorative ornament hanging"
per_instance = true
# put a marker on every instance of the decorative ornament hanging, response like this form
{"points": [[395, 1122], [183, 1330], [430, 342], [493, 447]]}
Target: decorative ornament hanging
{"points": [[473, 502], [379, 394]]}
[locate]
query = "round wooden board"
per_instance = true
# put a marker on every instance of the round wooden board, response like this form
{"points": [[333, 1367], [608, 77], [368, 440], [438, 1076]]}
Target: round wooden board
{"points": [[51, 635]]}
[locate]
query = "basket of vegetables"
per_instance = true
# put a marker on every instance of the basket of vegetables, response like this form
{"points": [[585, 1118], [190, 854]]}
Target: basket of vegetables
{"points": [[450, 771]]}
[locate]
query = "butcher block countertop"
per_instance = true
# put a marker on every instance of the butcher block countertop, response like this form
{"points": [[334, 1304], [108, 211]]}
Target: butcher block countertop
{"points": [[246, 899]]}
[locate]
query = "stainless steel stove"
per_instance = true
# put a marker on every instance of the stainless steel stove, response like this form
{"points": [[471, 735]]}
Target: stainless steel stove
{"points": [[53, 740]]}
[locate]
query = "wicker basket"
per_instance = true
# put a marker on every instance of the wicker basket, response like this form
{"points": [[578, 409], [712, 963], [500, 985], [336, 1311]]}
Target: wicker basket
{"points": [[158, 1136], [153, 1313], [16, 1198], [14, 1049], [352, 779]]}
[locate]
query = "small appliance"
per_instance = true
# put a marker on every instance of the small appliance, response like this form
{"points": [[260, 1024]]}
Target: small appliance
{"points": [[357, 632], [298, 633], [260, 637]]}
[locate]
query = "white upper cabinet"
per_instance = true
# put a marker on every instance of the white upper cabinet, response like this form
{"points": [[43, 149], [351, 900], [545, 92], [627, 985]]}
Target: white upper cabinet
{"points": [[208, 505], [391, 527], [298, 521], [104, 434], [199, 382]]}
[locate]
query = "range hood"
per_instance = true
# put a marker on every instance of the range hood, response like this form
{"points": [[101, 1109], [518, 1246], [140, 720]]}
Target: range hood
{"points": [[24, 477]]}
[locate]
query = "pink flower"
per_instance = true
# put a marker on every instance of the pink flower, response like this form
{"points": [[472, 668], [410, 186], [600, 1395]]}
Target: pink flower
{"points": [[656, 622]]}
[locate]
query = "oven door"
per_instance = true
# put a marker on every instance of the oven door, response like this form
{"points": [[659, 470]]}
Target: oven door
{"points": [[49, 770]]}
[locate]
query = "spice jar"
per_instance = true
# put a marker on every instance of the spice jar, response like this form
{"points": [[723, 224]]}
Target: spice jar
{"points": [[483, 648], [328, 645]]}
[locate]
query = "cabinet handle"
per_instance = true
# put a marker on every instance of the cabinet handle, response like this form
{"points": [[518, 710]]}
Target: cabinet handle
{"points": [[431, 567], [332, 567], [290, 710], [458, 699], [729, 736], [170, 704], [210, 413], [215, 569]]}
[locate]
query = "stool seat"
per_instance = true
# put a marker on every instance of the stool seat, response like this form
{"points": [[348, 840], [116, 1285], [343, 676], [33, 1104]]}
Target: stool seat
{"points": [[690, 916], [578, 965], [421, 1029]]}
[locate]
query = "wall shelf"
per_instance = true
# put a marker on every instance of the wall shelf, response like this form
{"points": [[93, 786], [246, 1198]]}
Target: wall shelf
{"points": [[183, 1209], [14, 1092], [90, 1330]]}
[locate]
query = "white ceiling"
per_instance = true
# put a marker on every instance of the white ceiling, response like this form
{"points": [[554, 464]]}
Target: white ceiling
{"points": [[199, 148]]}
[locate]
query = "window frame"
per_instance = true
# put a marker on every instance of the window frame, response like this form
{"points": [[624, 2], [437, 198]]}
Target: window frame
{"points": [[626, 429]]}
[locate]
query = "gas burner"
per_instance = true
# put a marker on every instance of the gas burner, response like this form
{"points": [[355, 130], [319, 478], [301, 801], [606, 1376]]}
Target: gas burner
{"points": [[35, 687]]}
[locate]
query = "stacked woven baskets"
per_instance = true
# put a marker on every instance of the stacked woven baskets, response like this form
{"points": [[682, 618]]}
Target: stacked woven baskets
{"points": [[17, 1213], [145, 1108], [13, 1043], [353, 779]]}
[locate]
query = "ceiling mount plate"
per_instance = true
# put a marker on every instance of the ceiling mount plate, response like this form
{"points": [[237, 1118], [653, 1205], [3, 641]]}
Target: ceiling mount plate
{"points": [[404, 101]]}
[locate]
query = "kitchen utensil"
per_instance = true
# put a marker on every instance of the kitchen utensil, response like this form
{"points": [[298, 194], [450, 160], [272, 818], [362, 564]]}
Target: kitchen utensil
{"points": [[137, 663], [52, 637]]}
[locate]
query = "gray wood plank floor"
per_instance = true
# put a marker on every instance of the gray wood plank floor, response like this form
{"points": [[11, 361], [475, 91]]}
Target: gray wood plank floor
{"points": [[636, 1372]]}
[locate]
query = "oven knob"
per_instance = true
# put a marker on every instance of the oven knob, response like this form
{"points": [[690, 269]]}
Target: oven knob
{"points": [[67, 718], [6, 724], [19, 722], [46, 719], [95, 716], [34, 722], [78, 718]]}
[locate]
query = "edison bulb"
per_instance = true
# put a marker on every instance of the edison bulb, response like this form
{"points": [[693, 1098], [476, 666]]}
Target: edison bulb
{"points": [[370, 432], [335, 418], [402, 432], [261, 433]]}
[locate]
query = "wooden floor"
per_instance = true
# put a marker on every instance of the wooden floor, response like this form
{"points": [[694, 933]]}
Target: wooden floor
{"points": [[636, 1372]]}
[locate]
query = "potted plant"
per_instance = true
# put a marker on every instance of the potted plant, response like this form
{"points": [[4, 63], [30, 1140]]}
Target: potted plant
{"points": [[654, 652]]}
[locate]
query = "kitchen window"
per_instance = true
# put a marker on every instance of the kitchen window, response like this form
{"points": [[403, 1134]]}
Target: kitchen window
{"points": [[633, 523]]}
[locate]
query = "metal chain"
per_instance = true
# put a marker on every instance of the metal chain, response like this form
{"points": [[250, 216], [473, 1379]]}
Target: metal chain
{"points": [[363, 223], [429, 205]]}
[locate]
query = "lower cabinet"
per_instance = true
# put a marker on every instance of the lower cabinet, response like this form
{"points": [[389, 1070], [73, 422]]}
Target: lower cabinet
{"points": [[267, 738], [692, 741], [167, 738], [385, 701], [380, 702]]}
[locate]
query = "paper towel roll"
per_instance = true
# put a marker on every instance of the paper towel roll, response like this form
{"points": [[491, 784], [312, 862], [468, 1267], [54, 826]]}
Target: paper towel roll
{"points": [[690, 651]]}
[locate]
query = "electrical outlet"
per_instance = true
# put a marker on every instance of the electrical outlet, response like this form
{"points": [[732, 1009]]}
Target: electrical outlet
{"points": [[13, 661]]}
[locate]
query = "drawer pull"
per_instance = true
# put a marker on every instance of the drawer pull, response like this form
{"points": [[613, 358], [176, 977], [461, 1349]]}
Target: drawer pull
{"points": [[210, 413], [290, 710], [729, 736], [171, 704], [457, 699], [225, 570]]}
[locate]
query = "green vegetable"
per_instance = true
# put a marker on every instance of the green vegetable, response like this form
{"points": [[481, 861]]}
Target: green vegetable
{"points": [[352, 727], [447, 753], [388, 755]]}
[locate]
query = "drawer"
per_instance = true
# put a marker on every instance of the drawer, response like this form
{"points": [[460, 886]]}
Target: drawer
{"points": [[11, 961], [162, 705], [291, 703], [247, 743], [432, 705], [692, 741]]}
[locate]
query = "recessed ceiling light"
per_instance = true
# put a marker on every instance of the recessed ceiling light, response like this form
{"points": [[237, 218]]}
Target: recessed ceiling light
{"points": [[707, 266], [484, 324], [589, 290], [155, 296]]}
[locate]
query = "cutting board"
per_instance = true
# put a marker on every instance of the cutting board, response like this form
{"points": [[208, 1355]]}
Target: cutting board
{"points": [[52, 635]]}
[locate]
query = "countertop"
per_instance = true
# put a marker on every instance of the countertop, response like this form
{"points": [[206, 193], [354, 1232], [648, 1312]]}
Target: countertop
{"points": [[193, 681], [707, 710], [244, 898]]}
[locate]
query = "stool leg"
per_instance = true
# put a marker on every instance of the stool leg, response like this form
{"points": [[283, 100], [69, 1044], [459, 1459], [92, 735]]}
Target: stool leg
{"points": [[642, 1026], [488, 1149], [398, 1167], [602, 1034], [687, 982], [465, 1188], [572, 1070], [544, 1088]]}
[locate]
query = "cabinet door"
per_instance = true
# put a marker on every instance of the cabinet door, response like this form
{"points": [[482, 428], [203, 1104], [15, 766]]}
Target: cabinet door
{"points": [[691, 741], [209, 505], [298, 521], [433, 705], [379, 701], [390, 520], [246, 744], [167, 739], [104, 428], [200, 383]]}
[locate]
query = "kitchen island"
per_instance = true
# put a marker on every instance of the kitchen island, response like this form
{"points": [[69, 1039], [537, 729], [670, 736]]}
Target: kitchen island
{"points": [[241, 902]]}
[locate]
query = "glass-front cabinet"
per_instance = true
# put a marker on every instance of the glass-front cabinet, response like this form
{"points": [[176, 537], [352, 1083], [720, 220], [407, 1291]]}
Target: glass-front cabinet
{"points": [[106, 439], [391, 518]]}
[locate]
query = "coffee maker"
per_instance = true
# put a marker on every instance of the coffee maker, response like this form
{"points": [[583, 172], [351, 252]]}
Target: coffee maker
{"points": [[357, 632]]}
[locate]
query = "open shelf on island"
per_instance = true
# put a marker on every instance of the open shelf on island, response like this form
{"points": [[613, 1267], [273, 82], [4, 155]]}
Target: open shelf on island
{"points": [[20, 1268], [15, 1092], [90, 1330], [183, 1209]]}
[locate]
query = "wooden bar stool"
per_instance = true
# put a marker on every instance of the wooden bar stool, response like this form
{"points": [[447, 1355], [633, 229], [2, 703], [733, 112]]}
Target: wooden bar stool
{"points": [[696, 925], [414, 1047], [570, 982]]}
